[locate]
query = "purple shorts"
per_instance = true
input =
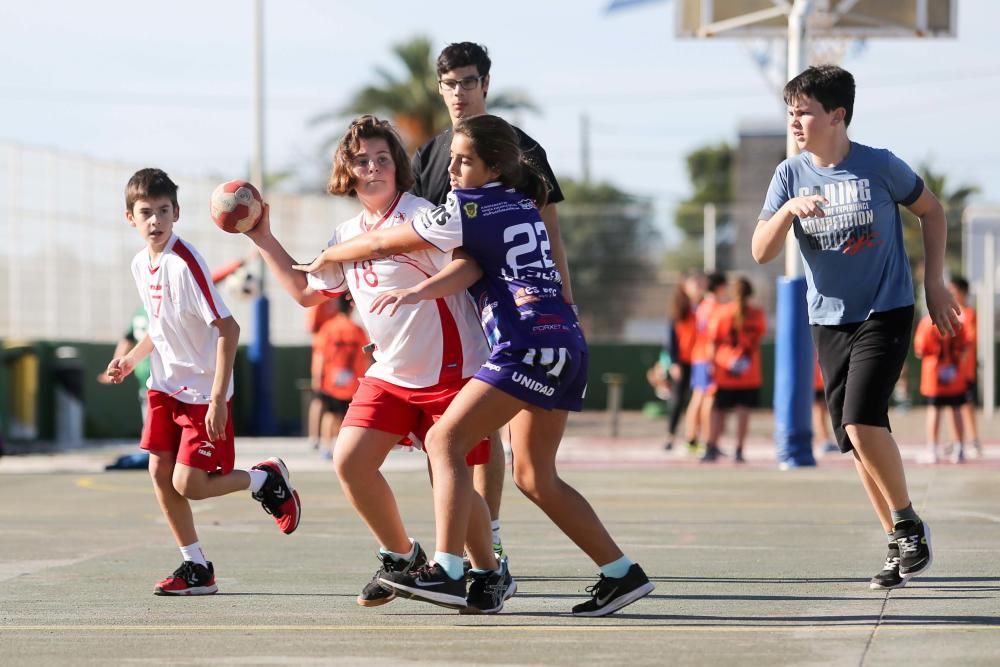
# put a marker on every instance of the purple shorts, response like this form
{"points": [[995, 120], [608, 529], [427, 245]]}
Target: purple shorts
{"points": [[547, 384]]}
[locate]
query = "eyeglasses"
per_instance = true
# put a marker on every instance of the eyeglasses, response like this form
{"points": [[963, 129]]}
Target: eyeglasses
{"points": [[361, 162], [467, 83]]}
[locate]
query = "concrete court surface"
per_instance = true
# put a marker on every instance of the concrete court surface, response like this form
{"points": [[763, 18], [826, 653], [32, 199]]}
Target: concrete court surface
{"points": [[752, 566]]}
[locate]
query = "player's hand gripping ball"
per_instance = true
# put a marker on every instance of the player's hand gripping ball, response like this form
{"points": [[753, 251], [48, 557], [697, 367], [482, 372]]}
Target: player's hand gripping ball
{"points": [[236, 207]]}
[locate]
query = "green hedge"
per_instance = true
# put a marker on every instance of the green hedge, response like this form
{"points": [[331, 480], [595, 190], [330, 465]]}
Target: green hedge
{"points": [[112, 411]]}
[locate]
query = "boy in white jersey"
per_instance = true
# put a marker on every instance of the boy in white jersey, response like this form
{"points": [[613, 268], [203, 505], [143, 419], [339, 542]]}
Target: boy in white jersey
{"points": [[192, 339]]}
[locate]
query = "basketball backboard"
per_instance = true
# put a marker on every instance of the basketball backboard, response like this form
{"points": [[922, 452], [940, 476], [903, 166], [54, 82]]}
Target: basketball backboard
{"points": [[829, 19]]}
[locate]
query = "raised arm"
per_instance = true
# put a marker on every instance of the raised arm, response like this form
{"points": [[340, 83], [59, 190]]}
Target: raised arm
{"points": [[769, 235], [280, 263]]}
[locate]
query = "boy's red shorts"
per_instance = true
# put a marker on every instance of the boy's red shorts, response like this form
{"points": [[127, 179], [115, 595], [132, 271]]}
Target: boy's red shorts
{"points": [[401, 410], [178, 427]]}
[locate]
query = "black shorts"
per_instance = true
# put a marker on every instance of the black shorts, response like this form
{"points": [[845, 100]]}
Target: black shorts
{"points": [[972, 393], [946, 401], [727, 399], [331, 404], [861, 362]]}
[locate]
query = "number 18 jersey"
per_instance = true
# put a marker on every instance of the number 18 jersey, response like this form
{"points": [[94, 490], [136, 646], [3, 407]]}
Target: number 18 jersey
{"points": [[423, 344]]}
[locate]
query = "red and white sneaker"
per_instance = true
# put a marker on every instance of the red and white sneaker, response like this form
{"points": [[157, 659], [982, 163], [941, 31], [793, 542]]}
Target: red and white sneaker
{"points": [[189, 579], [277, 496]]}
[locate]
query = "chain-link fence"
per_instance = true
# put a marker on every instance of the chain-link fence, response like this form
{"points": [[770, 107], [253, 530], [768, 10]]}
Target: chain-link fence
{"points": [[65, 246]]}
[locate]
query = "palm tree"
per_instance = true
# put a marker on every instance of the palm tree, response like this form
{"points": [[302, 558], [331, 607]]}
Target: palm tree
{"points": [[412, 102], [954, 203]]}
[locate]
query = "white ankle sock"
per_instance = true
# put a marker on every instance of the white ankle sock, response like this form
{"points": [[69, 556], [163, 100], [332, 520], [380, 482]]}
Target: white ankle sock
{"points": [[257, 479], [194, 553]]}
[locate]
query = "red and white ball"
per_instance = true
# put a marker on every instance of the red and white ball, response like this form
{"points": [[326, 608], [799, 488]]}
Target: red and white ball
{"points": [[236, 207]]}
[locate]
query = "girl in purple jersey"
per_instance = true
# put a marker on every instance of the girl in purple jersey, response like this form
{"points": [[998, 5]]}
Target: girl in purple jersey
{"points": [[537, 369], [410, 384]]}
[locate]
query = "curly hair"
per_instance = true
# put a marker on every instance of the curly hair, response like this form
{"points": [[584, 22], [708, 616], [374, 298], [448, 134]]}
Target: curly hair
{"points": [[342, 180]]}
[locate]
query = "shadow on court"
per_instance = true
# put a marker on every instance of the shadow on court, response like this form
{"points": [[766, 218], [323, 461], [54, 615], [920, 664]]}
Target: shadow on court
{"points": [[751, 567]]}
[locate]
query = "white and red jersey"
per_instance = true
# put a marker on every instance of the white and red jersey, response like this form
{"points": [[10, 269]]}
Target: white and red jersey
{"points": [[423, 344], [182, 302]]}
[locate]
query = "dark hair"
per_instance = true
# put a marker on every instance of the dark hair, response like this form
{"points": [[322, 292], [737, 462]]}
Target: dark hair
{"points": [[147, 184], [960, 283], [680, 304], [743, 290], [344, 304], [715, 280], [342, 179], [463, 54], [831, 86], [496, 143]]}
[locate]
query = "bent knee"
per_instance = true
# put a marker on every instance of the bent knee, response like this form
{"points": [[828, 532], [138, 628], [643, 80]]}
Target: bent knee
{"points": [[533, 484]]}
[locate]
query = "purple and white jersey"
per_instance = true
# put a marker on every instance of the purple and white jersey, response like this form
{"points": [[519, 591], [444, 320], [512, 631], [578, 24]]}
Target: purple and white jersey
{"points": [[520, 293]]}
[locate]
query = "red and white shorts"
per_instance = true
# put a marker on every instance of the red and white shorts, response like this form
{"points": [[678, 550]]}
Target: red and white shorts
{"points": [[178, 427], [387, 407]]}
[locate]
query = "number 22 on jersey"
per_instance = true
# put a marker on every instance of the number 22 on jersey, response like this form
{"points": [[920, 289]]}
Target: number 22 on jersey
{"points": [[535, 238]]}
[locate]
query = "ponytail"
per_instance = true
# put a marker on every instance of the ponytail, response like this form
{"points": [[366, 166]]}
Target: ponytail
{"points": [[497, 144], [532, 182], [744, 290]]}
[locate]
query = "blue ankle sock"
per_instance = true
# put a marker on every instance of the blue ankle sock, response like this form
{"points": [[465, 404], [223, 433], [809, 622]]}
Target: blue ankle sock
{"points": [[618, 568], [450, 563]]}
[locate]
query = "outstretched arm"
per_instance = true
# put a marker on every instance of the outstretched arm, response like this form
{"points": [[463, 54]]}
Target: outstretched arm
{"points": [[280, 263], [375, 244], [459, 275]]}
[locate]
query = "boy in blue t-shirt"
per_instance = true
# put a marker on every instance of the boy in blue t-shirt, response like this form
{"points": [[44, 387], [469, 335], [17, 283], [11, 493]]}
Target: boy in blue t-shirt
{"points": [[841, 198]]}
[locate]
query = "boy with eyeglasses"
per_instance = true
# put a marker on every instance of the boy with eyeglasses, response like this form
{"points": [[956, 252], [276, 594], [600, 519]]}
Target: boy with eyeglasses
{"points": [[463, 71]]}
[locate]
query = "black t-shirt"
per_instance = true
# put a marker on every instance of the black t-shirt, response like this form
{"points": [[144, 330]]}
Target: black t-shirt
{"points": [[430, 167]]}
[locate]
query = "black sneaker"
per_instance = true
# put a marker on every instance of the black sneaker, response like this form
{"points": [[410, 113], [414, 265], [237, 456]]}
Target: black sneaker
{"points": [[610, 595], [428, 584], [711, 455], [277, 496], [889, 576], [489, 590], [374, 593], [914, 540], [189, 579]]}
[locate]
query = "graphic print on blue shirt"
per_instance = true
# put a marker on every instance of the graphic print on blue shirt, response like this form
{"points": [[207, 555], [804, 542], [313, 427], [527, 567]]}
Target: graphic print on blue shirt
{"points": [[520, 292], [855, 261]]}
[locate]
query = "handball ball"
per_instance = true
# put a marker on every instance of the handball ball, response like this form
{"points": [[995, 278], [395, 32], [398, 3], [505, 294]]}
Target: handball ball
{"points": [[236, 207]]}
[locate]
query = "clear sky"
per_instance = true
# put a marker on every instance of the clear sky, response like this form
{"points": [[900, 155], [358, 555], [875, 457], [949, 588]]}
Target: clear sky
{"points": [[169, 83]]}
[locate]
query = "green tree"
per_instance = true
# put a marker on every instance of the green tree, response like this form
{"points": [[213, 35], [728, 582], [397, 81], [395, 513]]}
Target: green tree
{"points": [[411, 100], [607, 233], [710, 171], [954, 202]]}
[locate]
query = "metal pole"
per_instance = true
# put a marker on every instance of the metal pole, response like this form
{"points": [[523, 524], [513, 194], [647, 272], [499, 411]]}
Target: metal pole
{"points": [[793, 353], [585, 147], [798, 46], [259, 352], [987, 320], [708, 237]]}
